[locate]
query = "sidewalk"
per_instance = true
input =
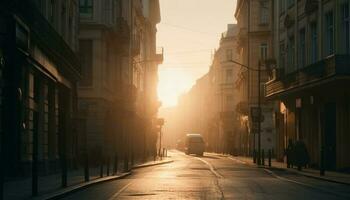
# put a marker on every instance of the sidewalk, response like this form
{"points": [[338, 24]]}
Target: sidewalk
{"points": [[330, 176], [50, 186]]}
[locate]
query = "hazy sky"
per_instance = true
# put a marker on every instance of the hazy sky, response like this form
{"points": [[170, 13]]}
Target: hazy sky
{"points": [[189, 32]]}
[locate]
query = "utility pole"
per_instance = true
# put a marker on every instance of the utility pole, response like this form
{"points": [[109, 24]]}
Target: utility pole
{"points": [[259, 108], [248, 72]]}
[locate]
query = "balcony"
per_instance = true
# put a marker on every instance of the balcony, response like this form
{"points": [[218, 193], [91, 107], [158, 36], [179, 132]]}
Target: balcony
{"points": [[159, 56], [314, 75]]}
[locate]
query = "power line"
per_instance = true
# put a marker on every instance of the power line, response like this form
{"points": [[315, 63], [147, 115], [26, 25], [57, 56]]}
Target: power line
{"points": [[189, 29]]}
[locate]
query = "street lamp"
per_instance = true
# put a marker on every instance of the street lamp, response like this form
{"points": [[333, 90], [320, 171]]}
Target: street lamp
{"points": [[160, 123]]}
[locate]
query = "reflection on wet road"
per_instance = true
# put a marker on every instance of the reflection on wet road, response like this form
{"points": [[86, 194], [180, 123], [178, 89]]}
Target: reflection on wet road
{"points": [[212, 177]]}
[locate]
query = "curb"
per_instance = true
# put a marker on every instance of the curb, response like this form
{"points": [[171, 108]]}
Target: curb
{"points": [[152, 164], [76, 188], [69, 190], [294, 171], [317, 177]]}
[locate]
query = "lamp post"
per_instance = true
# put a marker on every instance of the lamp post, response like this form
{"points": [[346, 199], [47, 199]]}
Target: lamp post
{"points": [[160, 123], [258, 118]]}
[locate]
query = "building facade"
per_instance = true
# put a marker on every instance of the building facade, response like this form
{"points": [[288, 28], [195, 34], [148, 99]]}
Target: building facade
{"points": [[119, 75], [223, 75], [254, 46], [312, 43], [39, 74]]}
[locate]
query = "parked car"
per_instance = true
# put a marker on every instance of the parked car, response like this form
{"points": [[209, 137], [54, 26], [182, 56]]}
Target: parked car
{"points": [[194, 144]]}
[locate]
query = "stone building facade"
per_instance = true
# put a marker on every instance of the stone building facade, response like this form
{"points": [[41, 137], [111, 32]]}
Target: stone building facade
{"points": [[39, 74], [223, 74], [312, 47], [254, 46], [119, 75]]}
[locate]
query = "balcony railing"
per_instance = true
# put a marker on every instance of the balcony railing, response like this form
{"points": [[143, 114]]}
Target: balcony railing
{"points": [[337, 65]]}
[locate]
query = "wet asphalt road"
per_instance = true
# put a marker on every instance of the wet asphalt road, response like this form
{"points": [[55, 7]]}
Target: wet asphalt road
{"points": [[212, 177]]}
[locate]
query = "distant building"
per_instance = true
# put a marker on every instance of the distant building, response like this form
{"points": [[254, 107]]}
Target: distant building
{"points": [[193, 112], [255, 42], [223, 75], [310, 83], [39, 74]]}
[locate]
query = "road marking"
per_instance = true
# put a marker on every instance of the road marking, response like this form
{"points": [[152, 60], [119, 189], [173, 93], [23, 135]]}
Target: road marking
{"points": [[120, 191], [304, 184], [210, 167], [237, 160]]}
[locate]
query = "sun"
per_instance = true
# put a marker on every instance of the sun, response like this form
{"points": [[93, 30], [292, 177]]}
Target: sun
{"points": [[172, 83]]}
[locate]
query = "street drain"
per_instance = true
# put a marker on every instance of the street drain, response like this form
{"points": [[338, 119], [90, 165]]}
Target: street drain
{"points": [[141, 194]]}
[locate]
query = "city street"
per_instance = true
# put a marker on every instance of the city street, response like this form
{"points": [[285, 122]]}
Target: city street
{"points": [[213, 176]]}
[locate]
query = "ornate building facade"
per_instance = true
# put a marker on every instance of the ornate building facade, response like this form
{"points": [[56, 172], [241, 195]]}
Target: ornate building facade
{"points": [[312, 43]]}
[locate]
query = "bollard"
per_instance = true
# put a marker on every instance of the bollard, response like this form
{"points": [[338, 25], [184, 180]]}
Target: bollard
{"points": [[126, 161], [322, 167], [86, 169], [101, 168], [270, 155], [163, 152], [132, 158], [254, 156], [263, 157], [108, 166], [116, 164]]}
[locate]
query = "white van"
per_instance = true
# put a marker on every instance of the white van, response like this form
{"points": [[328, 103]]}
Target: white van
{"points": [[194, 144]]}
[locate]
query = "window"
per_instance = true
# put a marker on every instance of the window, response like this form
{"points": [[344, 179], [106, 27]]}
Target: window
{"points": [[86, 8], [264, 12], [228, 54], [282, 55], [329, 34], [290, 3], [291, 54], [86, 48], [263, 51], [282, 6], [229, 75], [313, 43], [346, 28], [302, 48]]}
